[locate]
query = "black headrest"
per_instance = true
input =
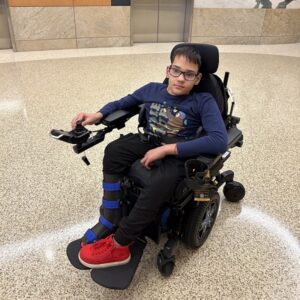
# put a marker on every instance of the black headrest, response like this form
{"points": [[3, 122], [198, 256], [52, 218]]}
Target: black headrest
{"points": [[209, 56]]}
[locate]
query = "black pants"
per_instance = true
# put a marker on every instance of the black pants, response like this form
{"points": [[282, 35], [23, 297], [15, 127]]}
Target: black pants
{"points": [[163, 178]]}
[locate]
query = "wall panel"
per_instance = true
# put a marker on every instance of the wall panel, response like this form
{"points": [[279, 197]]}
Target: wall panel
{"points": [[34, 3]]}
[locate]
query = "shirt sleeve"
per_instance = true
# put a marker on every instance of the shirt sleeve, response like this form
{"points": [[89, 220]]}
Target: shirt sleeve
{"points": [[215, 140], [130, 100]]}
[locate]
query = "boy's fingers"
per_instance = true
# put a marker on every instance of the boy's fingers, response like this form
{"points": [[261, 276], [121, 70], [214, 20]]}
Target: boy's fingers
{"points": [[149, 165], [73, 123], [146, 165], [74, 120], [144, 162], [79, 117]]}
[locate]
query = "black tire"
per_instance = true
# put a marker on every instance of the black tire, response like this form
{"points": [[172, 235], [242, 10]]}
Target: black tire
{"points": [[200, 221], [234, 191], [165, 267]]}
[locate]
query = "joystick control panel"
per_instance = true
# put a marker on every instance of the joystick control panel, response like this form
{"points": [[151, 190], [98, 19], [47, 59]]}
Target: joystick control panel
{"points": [[78, 135]]}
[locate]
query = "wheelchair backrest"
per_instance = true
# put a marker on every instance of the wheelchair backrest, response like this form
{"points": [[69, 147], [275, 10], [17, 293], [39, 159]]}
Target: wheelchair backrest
{"points": [[210, 83]]}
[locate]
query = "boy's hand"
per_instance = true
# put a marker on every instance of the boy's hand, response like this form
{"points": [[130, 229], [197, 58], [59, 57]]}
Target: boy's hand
{"points": [[87, 119], [158, 153]]}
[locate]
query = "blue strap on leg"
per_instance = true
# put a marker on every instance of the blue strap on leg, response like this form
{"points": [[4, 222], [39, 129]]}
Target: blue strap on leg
{"points": [[90, 236], [106, 223], [111, 204], [111, 187]]}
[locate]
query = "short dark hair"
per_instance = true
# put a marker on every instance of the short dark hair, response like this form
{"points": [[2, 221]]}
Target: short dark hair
{"points": [[190, 53]]}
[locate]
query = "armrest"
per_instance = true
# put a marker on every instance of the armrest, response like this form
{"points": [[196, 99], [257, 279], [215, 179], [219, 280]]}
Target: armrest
{"points": [[235, 137], [118, 118], [215, 162]]}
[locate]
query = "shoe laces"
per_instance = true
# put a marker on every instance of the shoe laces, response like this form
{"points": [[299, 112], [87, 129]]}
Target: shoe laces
{"points": [[102, 245]]}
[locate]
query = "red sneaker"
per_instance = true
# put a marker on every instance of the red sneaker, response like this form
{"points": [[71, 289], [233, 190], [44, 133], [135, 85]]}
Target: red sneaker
{"points": [[104, 253]]}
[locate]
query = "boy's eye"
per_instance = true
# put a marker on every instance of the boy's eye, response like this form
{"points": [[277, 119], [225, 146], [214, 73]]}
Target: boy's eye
{"points": [[177, 71], [190, 74]]}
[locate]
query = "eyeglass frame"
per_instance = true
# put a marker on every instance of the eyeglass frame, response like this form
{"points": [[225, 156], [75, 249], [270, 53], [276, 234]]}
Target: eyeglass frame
{"points": [[183, 73]]}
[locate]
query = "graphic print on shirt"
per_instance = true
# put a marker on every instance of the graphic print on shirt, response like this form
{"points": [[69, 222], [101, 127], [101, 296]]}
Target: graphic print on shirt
{"points": [[166, 120]]}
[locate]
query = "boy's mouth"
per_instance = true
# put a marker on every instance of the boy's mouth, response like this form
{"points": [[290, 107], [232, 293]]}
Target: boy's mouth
{"points": [[178, 86]]}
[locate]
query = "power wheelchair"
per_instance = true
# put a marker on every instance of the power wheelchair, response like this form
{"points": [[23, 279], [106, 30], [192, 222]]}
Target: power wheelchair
{"points": [[191, 213]]}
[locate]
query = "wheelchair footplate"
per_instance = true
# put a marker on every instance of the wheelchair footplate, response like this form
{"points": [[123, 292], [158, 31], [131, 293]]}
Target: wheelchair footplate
{"points": [[72, 252], [120, 277]]}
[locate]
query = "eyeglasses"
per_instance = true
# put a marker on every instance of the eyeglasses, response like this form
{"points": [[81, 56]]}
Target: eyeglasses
{"points": [[187, 75]]}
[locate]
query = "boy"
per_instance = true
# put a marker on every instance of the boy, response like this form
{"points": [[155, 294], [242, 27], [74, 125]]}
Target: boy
{"points": [[173, 115]]}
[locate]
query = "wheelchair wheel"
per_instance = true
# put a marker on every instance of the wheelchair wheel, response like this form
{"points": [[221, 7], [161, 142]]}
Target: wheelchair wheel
{"points": [[234, 191], [165, 265], [200, 221]]}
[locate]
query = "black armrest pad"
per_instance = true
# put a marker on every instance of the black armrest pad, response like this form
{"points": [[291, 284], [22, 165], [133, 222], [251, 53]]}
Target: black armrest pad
{"points": [[235, 138], [119, 117]]}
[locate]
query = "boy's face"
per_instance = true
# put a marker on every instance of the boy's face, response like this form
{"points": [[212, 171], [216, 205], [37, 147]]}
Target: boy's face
{"points": [[179, 85]]}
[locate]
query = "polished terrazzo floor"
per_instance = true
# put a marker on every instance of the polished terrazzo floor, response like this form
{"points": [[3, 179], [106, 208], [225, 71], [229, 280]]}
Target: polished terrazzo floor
{"points": [[48, 197]]}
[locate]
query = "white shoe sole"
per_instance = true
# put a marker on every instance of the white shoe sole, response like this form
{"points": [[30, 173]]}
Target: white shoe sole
{"points": [[106, 265]]}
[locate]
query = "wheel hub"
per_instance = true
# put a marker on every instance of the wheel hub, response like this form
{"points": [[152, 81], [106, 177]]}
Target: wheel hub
{"points": [[208, 220]]}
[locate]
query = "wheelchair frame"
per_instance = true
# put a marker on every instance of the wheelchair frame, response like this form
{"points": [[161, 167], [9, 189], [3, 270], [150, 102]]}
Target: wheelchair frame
{"points": [[197, 202]]}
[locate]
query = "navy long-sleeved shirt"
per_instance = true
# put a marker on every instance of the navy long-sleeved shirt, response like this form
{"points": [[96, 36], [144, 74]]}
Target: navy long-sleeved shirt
{"points": [[179, 116]]}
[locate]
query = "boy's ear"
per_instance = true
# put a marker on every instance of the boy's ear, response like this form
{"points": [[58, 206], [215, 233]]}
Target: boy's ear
{"points": [[167, 72], [199, 76]]}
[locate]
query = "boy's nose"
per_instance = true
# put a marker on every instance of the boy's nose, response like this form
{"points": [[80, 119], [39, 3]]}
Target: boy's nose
{"points": [[181, 77]]}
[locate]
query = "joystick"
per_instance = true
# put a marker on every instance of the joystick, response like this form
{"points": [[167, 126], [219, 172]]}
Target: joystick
{"points": [[78, 135], [79, 129]]}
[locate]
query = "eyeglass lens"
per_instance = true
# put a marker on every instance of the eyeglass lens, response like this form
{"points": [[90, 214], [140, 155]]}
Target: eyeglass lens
{"points": [[187, 75]]}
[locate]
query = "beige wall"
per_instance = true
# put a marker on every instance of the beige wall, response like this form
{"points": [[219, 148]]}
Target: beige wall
{"points": [[41, 3], [75, 25], [245, 26], [281, 4], [48, 28]]}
